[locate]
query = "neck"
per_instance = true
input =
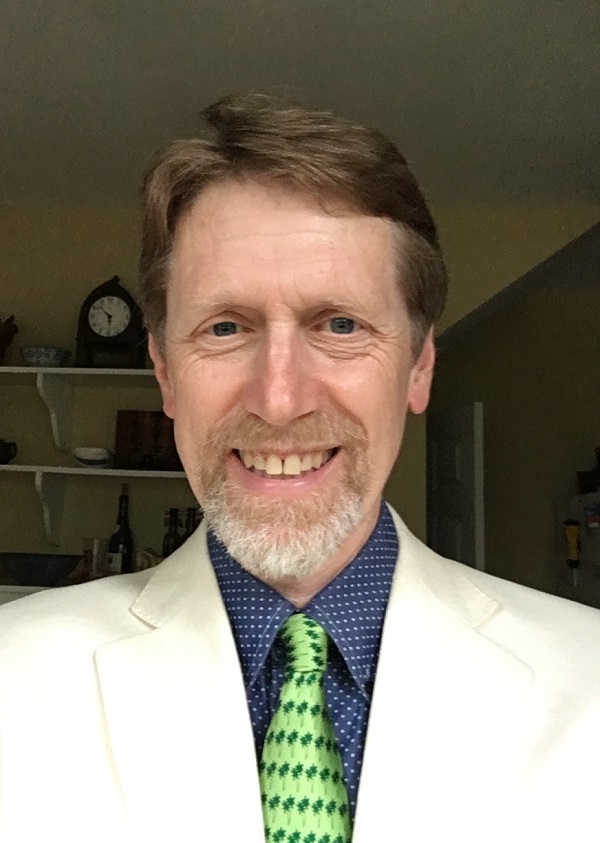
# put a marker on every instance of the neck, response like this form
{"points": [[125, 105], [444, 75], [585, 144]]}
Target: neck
{"points": [[300, 592]]}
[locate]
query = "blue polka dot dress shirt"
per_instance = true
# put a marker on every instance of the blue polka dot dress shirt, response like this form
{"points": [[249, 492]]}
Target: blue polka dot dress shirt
{"points": [[351, 608]]}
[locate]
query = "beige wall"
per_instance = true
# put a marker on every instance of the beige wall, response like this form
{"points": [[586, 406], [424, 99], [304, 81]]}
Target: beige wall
{"points": [[534, 367], [487, 248], [53, 256]]}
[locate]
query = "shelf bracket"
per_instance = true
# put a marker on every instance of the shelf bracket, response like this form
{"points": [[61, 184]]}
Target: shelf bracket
{"points": [[51, 491], [57, 394]]}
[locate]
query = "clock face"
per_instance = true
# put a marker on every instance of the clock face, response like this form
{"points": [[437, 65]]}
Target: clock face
{"points": [[109, 316]]}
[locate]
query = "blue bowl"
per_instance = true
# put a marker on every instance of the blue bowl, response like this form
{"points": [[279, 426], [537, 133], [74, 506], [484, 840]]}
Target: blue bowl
{"points": [[40, 569], [44, 355]]}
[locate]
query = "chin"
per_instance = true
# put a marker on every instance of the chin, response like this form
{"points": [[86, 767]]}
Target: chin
{"points": [[282, 549]]}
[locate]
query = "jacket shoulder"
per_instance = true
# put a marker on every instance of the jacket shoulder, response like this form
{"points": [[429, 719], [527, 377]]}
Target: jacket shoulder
{"points": [[73, 617], [556, 637]]}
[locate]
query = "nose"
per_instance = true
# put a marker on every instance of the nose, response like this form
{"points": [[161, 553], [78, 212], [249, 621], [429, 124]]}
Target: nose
{"points": [[284, 384]]}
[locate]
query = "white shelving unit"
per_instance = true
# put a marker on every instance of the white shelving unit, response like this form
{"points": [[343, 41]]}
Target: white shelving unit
{"points": [[55, 386], [97, 472]]}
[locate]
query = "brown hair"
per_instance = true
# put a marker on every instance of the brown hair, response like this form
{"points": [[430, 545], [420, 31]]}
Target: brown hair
{"points": [[260, 136]]}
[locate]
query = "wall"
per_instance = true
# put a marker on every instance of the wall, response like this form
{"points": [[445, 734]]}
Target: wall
{"points": [[53, 256], [405, 488], [487, 248], [534, 367]]}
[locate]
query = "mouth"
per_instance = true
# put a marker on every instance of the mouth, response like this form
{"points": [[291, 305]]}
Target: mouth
{"points": [[285, 466]]}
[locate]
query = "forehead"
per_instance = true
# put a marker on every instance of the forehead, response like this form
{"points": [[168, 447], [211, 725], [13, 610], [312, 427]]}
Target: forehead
{"points": [[269, 224]]}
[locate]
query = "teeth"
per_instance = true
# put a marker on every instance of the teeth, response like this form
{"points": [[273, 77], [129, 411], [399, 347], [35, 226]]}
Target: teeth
{"points": [[290, 466], [306, 463], [273, 465]]}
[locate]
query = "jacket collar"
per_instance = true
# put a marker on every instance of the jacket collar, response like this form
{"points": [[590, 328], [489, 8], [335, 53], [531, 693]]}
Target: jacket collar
{"points": [[187, 576]]}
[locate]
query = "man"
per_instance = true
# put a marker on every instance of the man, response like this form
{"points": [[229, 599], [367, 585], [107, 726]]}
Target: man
{"points": [[291, 276]]}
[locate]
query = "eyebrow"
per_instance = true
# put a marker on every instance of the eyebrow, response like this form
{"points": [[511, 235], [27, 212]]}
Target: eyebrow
{"points": [[218, 305]]}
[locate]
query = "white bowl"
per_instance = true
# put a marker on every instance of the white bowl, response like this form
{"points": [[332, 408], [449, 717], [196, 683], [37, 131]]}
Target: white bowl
{"points": [[93, 457]]}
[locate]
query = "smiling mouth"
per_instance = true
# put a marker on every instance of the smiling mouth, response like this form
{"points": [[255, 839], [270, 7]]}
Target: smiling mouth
{"points": [[285, 467]]}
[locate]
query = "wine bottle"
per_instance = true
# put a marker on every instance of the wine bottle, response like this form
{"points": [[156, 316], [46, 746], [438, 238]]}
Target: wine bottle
{"points": [[120, 544], [172, 539]]}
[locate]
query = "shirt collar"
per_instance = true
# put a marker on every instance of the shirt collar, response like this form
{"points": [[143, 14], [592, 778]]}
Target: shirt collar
{"points": [[351, 607]]}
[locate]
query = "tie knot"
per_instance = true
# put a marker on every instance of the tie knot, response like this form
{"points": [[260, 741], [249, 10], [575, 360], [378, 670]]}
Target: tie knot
{"points": [[306, 644]]}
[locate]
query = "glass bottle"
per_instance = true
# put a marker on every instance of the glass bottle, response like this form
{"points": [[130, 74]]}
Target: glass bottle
{"points": [[172, 538], [190, 522], [120, 544]]}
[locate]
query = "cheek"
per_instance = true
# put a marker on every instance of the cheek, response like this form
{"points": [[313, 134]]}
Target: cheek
{"points": [[204, 394], [386, 399], [390, 421], [377, 397]]}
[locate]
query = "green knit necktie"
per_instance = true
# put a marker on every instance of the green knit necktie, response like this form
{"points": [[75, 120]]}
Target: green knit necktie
{"points": [[301, 777]]}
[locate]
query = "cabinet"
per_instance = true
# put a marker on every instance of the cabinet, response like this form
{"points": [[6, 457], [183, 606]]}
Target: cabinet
{"points": [[56, 388]]}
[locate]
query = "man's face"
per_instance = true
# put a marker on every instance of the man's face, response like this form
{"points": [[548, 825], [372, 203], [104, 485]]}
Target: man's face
{"points": [[288, 371]]}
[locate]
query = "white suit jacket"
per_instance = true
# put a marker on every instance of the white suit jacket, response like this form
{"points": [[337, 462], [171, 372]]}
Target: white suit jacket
{"points": [[123, 714]]}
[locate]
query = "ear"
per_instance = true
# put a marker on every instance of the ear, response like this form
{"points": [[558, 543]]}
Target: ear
{"points": [[421, 375], [162, 376]]}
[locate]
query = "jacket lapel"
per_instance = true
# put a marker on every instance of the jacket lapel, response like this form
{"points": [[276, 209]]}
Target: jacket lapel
{"points": [[451, 711], [176, 711]]}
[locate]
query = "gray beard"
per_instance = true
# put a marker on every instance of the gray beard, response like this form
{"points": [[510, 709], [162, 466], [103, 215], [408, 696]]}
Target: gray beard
{"points": [[272, 552]]}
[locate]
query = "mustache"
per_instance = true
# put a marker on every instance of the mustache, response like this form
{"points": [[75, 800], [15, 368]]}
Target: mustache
{"points": [[316, 431]]}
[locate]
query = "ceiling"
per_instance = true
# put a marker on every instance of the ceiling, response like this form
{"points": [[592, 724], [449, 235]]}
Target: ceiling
{"points": [[490, 100]]}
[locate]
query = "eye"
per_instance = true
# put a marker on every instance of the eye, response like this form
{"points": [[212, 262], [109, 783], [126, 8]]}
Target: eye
{"points": [[341, 325], [224, 329]]}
